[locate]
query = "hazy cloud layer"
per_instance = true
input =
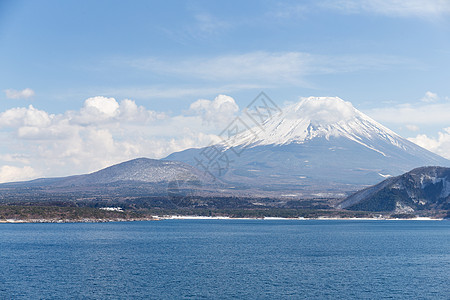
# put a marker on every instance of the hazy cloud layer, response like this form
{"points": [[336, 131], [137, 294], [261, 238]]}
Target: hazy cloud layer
{"points": [[431, 110], [268, 68]]}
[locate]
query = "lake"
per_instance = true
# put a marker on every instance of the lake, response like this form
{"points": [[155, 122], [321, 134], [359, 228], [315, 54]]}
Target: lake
{"points": [[195, 259]]}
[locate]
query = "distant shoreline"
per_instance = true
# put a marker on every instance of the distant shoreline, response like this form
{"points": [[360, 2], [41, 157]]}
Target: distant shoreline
{"points": [[57, 214], [176, 217]]}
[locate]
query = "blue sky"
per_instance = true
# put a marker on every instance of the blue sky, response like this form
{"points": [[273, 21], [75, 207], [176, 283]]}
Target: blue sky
{"points": [[389, 58]]}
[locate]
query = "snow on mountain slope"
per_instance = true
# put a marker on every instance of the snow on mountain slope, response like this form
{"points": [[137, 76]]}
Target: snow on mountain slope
{"points": [[142, 170], [320, 117], [423, 188]]}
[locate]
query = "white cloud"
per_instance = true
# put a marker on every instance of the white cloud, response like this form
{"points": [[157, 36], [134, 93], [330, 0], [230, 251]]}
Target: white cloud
{"points": [[130, 112], [439, 145], [219, 111], [430, 97], [102, 109], [430, 111], [96, 109], [323, 110], [22, 116], [420, 113], [102, 132], [395, 8], [23, 94], [106, 106], [11, 173]]}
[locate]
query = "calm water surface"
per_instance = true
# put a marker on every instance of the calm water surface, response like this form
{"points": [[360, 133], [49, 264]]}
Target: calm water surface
{"points": [[226, 259]]}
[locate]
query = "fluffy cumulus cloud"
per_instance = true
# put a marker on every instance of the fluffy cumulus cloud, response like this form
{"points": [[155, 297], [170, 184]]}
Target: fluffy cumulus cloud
{"points": [[22, 116], [323, 110], [96, 110], [439, 144], [102, 132], [101, 106], [12, 173], [102, 109], [19, 94], [219, 111]]}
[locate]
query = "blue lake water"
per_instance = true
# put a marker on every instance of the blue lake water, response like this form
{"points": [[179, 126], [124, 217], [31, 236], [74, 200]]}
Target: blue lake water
{"points": [[226, 259]]}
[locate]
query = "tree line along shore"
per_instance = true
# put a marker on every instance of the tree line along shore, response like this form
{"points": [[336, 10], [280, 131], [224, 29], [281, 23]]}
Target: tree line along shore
{"points": [[57, 214]]}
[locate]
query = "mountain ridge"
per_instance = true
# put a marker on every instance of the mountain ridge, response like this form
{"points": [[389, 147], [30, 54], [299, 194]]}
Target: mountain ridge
{"points": [[144, 170], [422, 188]]}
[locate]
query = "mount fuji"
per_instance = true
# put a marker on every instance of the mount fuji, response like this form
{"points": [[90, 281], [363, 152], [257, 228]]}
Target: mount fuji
{"points": [[318, 144]]}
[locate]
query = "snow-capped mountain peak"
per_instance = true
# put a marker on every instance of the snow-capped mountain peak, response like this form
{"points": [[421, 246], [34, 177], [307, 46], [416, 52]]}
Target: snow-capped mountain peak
{"points": [[318, 117]]}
